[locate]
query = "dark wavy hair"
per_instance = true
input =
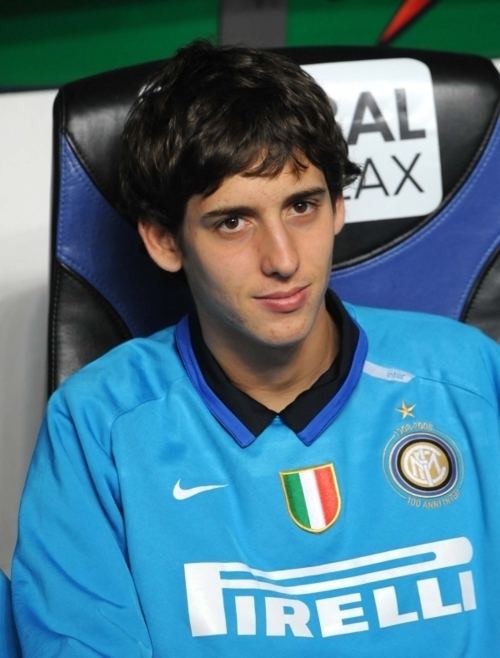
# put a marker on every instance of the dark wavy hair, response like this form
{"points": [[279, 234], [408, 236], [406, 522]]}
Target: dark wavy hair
{"points": [[212, 112]]}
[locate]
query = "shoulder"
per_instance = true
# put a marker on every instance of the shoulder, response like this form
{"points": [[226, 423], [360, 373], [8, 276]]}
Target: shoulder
{"points": [[431, 346], [416, 327], [134, 373]]}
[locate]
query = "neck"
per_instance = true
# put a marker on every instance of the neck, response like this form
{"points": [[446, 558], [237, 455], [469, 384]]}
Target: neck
{"points": [[276, 375]]}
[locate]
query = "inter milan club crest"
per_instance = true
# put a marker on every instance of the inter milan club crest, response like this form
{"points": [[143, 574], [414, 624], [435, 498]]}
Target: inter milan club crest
{"points": [[424, 465], [312, 496]]}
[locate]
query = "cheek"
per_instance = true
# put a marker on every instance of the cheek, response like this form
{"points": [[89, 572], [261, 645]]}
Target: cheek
{"points": [[319, 250], [210, 279]]}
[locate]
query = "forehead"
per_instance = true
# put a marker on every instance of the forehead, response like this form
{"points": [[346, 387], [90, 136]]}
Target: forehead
{"points": [[248, 189]]}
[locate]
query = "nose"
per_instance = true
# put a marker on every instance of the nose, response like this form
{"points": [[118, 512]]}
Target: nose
{"points": [[279, 255]]}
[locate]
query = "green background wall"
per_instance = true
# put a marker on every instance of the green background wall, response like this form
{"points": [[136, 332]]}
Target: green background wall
{"points": [[46, 43], [455, 25]]}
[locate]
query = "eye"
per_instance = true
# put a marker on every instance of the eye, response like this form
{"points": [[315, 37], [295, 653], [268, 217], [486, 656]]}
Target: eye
{"points": [[231, 224], [303, 207]]}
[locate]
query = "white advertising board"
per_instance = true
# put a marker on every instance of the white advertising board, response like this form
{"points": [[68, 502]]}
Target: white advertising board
{"points": [[387, 113]]}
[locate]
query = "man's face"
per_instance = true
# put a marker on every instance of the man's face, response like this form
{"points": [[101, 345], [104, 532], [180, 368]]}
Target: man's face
{"points": [[257, 254]]}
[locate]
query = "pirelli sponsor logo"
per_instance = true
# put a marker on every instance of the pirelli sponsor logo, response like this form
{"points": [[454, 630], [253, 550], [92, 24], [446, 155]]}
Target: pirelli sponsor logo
{"points": [[338, 598]]}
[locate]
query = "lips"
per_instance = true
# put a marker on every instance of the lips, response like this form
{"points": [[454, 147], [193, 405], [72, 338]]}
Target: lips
{"points": [[284, 301]]}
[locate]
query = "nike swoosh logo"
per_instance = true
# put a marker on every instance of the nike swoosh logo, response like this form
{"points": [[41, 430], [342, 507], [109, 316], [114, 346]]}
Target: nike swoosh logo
{"points": [[182, 494]]}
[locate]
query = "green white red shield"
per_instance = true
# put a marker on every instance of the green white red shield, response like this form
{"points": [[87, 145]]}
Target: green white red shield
{"points": [[312, 496]]}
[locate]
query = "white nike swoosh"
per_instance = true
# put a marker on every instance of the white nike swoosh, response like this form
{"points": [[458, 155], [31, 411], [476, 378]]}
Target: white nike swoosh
{"points": [[181, 494]]}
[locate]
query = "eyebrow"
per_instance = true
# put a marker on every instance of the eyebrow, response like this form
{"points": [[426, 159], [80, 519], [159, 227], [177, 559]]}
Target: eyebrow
{"points": [[227, 211]]}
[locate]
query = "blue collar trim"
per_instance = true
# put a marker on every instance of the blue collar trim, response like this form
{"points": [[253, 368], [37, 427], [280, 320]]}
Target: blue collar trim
{"points": [[240, 433], [329, 412]]}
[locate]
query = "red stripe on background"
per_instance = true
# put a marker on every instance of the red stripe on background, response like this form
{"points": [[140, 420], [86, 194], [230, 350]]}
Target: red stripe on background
{"points": [[327, 492], [405, 14]]}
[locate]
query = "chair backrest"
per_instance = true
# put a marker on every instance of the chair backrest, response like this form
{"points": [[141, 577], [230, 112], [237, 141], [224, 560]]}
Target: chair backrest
{"points": [[423, 229]]}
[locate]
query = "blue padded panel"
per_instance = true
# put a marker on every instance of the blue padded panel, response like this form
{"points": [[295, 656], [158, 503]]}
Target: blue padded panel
{"points": [[94, 241], [435, 269]]}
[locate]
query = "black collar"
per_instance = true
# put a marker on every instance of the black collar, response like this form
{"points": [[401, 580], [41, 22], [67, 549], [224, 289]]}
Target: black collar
{"points": [[299, 413]]}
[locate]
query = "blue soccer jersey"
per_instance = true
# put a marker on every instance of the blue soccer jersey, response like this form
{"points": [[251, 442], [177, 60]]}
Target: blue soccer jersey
{"points": [[154, 523]]}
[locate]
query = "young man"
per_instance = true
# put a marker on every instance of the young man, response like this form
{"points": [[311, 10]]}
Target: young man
{"points": [[277, 473]]}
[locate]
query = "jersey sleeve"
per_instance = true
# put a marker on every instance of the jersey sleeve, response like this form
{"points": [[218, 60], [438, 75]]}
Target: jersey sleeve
{"points": [[8, 640], [72, 590]]}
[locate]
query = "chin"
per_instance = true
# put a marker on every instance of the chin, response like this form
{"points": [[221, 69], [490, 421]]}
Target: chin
{"points": [[282, 337]]}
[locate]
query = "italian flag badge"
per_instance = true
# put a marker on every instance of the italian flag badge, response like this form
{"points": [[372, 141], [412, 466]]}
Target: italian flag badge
{"points": [[312, 496]]}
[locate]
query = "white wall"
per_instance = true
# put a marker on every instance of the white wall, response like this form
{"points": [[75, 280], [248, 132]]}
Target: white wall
{"points": [[25, 171]]}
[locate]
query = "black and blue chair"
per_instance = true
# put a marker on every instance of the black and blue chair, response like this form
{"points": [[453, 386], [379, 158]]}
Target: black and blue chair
{"points": [[445, 260]]}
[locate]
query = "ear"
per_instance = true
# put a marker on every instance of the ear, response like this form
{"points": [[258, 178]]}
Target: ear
{"points": [[160, 245], [339, 214]]}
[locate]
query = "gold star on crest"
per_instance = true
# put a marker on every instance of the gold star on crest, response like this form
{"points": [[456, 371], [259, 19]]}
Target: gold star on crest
{"points": [[406, 410]]}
